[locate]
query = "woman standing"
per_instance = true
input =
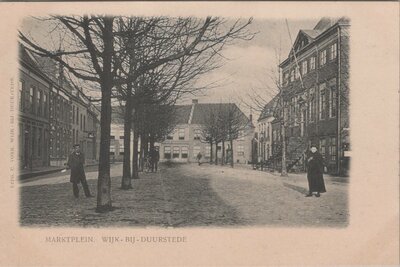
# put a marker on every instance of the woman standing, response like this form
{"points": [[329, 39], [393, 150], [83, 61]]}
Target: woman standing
{"points": [[315, 169]]}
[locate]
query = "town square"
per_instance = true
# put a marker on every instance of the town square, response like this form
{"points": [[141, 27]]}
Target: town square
{"points": [[183, 122]]}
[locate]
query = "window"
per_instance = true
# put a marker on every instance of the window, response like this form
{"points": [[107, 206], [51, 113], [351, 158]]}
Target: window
{"points": [[332, 149], [322, 101], [241, 134], [322, 147], [20, 96], [121, 137], [167, 152], [292, 75], [304, 67], [45, 105], [77, 115], [73, 136], [121, 149], [80, 123], [112, 150], [333, 99], [197, 134], [312, 63], [322, 58], [311, 106], [39, 143], [196, 150], [84, 122], [333, 51], [296, 110], [184, 152], [285, 78], [33, 141], [208, 151], [297, 72], [240, 150], [175, 152], [77, 137], [112, 137], [170, 137], [181, 134], [32, 100], [73, 114]]}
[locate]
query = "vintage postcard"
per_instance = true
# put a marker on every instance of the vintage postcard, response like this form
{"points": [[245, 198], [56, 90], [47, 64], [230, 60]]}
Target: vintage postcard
{"points": [[200, 133]]}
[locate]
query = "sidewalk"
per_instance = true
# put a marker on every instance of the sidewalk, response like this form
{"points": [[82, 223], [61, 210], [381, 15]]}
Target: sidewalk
{"points": [[28, 173]]}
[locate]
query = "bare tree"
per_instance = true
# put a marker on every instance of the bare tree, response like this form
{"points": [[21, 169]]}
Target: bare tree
{"points": [[91, 50]]}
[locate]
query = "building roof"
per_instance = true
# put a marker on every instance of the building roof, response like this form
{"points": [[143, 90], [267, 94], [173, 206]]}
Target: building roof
{"points": [[182, 113], [27, 58], [307, 36], [203, 111], [269, 108]]}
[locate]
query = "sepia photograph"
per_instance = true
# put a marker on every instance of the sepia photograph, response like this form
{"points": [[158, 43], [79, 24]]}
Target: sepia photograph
{"points": [[183, 121], [199, 133]]}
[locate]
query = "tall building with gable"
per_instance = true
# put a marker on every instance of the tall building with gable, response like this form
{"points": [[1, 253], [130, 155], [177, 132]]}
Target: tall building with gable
{"points": [[315, 91]]}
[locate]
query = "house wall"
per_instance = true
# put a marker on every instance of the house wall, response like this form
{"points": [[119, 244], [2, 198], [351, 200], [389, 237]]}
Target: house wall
{"points": [[34, 125], [321, 87]]}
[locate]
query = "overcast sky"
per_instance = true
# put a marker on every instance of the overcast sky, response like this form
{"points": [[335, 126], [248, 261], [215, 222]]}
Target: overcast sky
{"points": [[251, 63], [248, 66]]}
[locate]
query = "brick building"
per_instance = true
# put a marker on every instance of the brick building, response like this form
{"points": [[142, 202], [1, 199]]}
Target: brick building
{"points": [[315, 95], [54, 115], [34, 121]]}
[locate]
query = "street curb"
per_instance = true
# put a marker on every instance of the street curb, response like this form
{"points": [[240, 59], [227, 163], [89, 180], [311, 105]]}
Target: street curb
{"points": [[44, 172]]}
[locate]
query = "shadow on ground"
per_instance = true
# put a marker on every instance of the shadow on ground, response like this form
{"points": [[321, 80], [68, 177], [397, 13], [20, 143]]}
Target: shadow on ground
{"points": [[299, 189], [193, 202]]}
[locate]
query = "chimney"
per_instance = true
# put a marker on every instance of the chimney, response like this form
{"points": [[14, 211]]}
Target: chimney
{"points": [[195, 101], [251, 115]]}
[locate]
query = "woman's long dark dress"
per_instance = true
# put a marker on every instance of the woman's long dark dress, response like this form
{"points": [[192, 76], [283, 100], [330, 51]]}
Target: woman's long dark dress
{"points": [[315, 168]]}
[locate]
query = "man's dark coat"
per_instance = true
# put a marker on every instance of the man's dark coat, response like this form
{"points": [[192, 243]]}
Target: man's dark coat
{"points": [[76, 163], [315, 169]]}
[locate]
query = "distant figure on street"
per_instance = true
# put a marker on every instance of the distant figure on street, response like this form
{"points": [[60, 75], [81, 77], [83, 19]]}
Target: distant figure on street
{"points": [[155, 158], [76, 161], [199, 156], [315, 170]]}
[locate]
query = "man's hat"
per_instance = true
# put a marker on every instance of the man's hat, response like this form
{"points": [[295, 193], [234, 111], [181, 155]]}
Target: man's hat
{"points": [[76, 145]]}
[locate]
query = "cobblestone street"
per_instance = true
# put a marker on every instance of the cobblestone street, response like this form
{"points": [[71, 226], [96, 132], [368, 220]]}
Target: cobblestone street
{"points": [[186, 196]]}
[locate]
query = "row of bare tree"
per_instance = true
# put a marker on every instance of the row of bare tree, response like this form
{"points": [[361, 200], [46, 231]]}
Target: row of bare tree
{"points": [[225, 123], [143, 63]]}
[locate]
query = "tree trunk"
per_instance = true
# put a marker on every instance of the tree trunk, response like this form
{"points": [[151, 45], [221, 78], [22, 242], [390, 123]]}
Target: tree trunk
{"points": [[231, 143], [126, 173], [104, 180], [211, 152], [145, 147], [141, 154], [223, 153], [283, 134], [216, 153], [135, 156]]}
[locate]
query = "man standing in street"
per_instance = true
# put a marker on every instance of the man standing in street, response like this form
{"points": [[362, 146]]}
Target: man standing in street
{"points": [[155, 158], [315, 169], [199, 156], [76, 161]]}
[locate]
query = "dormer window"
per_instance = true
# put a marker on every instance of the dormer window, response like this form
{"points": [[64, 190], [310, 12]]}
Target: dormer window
{"points": [[333, 51]]}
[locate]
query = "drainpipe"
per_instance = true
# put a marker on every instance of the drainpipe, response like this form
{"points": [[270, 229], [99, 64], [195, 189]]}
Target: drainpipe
{"points": [[338, 106]]}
